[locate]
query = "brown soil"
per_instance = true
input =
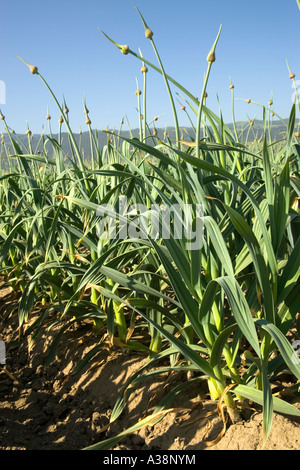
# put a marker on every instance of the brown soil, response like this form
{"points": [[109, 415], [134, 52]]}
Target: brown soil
{"points": [[47, 409]]}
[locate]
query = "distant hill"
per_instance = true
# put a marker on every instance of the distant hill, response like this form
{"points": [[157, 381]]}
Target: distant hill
{"points": [[278, 131]]}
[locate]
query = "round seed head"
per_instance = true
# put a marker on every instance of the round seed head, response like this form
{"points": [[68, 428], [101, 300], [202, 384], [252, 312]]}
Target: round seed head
{"points": [[48, 117], [272, 114], [125, 49], [138, 92], [144, 69], [28, 132], [292, 75], [148, 33], [182, 107], [122, 122], [66, 110], [231, 86], [155, 118], [61, 120], [33, 69], [248, 100], [211, 57]]}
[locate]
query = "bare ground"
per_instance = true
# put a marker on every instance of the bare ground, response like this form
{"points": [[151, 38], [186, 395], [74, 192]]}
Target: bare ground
{"points": [[47, 409]]}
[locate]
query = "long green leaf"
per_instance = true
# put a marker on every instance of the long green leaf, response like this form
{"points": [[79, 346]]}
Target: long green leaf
{"points": [[259, 263], [289, 355], [251, 393], [238, 304]]}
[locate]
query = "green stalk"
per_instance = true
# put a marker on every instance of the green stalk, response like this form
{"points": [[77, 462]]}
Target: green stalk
{"points": [[138, 93], [144, 104], [149, 34], [210, 59], [233, 112], [34, 70], [198, 126]]}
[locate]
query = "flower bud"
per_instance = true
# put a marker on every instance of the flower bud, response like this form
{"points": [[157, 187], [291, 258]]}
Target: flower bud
{"points": [[66, 110], [251, 122], [270, 102], [28, 132], [248, 100], [148, 33], [231, 86], [33, 69], [144, 69], [138, 92], [297, 134], [88, 121], [48, 117], [292, 75], [86, 111], [205, 95], [2, 117], [61, 120], [125, 49], [182, 107], [211, 57]]}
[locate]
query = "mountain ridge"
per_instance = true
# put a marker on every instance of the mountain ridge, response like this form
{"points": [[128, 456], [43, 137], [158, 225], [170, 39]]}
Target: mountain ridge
{"points": [[246, 130]]}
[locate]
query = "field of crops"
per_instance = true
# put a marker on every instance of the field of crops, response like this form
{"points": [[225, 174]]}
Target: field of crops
{"points": [[184, 252]]}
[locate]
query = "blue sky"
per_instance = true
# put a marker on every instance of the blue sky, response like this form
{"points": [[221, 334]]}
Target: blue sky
{"points": [[63, 40]]}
